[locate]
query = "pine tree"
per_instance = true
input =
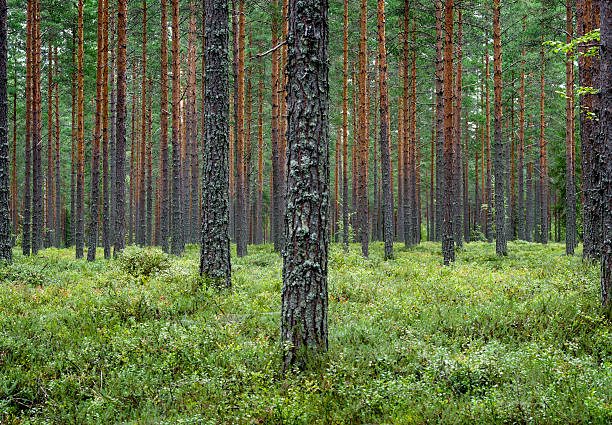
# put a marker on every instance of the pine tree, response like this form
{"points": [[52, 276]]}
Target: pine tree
{"points": [[501, 247], [119, 231], [304, 294], [5, 212], [215, 250]]}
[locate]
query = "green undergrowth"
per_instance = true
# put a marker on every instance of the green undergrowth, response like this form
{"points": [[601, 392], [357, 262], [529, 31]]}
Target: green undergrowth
{"points": [[142, 340]]}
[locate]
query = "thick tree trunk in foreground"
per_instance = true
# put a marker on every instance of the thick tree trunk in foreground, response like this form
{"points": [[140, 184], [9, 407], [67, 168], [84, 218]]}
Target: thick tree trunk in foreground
{"points": [[215, 249], [385, 157], [501, 246], [304, 293], [605, 136], [5, 210]]}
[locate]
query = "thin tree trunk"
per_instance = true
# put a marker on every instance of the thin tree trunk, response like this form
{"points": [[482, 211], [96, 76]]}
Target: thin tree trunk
{"points": [[27, 200], [259, 224], [57, 201], [49, 210], [241, 189], [521, 218], [106, 240], [363, 207], [458, 168], [163, 138], [345, 191], [439, 122], [6, 242], [119, 230], [95, 145], [570, 189], [178, 244], [275, 176], [80, 200], [543, 218], [37, 179], [501, 247], [448, 246]]}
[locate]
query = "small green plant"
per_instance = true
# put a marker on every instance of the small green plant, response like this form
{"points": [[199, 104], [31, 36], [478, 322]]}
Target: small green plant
{"points": [[143, 262]]}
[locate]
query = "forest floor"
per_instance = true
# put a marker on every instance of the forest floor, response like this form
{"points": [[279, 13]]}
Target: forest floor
{"points": [[140, 340]]}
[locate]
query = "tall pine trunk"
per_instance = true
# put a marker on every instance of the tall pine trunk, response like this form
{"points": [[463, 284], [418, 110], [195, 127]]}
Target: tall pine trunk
{"points": [[119, 230], [501, 247], [178, 244], [80, 166], [385, 155], [215, 250], [5, 210], [448, 245], [304, 323]]}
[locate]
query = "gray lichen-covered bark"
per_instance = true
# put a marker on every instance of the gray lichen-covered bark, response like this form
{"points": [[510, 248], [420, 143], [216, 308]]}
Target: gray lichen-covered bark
{"points": [[501, 246], [5, 211], [178, 242], [304, 293], [119, 231], [215, 248], [605, 141], [385, 157]]}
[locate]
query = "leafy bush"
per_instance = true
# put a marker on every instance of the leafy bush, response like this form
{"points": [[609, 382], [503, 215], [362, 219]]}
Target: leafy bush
{"points": [[143, 262]]}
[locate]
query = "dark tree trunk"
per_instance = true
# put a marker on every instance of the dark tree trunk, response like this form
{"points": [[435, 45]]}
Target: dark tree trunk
{"points": [[163, 138], [106, 240], [570, 188], [489, 182], [119, 231], [304, 293], [605, 141], [178, 243], [80, 166], [276, 178], [27, 200], [49, 210], [345, 166], [385, 157], [501, 246], [241, 187], [37, 179], [95, 145], [259, 224], [529, 204], [113, 134], [6, 242], [141, 179], [457, 159], [439, 123], [215, 249], [521, 218], [363, 136], [587, 14], [543, 173], [448, 243]]}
